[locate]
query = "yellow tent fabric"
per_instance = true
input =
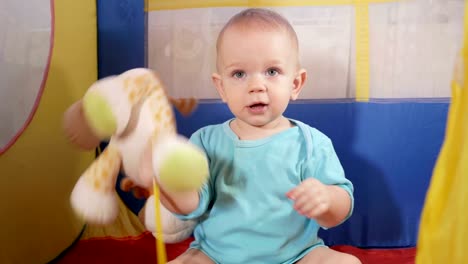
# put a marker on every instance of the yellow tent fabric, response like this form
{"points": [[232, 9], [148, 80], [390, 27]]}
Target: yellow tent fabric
{"points": [[444, 223], [40, 169]]}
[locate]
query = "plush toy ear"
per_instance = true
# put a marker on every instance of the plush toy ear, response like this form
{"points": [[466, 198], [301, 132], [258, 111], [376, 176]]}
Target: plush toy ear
{"points": [[184, 105], [127, 185], [76, 128]]}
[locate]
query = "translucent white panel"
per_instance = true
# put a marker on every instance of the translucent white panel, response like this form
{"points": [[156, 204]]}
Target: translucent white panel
{"points": [[413, 47], [25, 31], [324, 40], [181, 47]]}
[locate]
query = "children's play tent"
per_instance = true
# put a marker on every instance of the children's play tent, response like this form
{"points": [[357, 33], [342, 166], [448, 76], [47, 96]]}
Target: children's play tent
{"points": [[380, 78]]}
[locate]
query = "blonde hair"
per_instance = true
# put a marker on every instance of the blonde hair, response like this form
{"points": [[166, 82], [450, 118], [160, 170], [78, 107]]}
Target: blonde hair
{"points": [[262, 18]]}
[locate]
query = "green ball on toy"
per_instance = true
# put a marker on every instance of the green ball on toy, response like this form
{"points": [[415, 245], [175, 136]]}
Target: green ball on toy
{"points": [[184, 168], [99, 114]]}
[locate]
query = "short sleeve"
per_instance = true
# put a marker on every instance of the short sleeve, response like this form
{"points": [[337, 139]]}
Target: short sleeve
{"points": [[205, 193], [324, 165]]}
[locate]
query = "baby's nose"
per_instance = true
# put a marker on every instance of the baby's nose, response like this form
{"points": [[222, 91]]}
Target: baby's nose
{"points": [[256, 84]]}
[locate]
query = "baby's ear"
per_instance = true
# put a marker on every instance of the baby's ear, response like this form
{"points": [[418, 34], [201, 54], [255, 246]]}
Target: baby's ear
{"points": [[218, 83], [184, 105], [298, 83]]}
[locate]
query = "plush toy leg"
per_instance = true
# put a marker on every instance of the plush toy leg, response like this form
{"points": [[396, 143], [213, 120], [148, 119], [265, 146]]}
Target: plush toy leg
{"points": [[94, 197], [174, 230]]}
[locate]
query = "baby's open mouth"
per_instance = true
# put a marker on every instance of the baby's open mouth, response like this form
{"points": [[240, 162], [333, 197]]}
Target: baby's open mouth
{"points": [[258, 108], [257, 105]]}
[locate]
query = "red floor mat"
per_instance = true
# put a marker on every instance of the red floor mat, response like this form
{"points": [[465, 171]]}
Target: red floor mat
{"points": [[141, 250]]}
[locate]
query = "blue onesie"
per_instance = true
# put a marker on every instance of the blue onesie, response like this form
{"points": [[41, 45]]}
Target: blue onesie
{"points": [[244, 214]]}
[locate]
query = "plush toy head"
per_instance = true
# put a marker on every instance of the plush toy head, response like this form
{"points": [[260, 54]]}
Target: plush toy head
{"points": [[134, 113]]}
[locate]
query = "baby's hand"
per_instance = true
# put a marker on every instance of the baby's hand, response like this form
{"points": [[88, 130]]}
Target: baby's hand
{"points": [[311, 198]]}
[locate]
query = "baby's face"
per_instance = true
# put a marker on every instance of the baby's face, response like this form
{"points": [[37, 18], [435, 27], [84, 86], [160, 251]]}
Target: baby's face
{"points": [[256, 73]]}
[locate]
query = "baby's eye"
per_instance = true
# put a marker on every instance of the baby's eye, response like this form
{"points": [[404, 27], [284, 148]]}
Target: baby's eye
{"points": [[238, 74], [272, 72]]}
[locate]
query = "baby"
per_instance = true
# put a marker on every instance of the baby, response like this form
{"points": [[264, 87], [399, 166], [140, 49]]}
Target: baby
{"points": [[274, 181]]}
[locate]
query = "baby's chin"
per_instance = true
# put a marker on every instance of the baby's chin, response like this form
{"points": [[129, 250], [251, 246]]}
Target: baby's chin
{"points": [[266, 122]]}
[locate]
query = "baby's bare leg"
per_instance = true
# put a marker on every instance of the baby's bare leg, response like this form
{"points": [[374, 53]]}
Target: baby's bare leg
{"points": [[324, 255], [192, 256]]}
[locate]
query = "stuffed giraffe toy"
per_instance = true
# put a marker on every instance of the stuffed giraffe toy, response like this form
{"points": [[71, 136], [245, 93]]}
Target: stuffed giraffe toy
{"points": [[133, 112]]}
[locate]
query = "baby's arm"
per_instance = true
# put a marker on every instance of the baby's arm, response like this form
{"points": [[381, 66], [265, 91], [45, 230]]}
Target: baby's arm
{"points": [[325, 194], [178, 203], [329, 205]]}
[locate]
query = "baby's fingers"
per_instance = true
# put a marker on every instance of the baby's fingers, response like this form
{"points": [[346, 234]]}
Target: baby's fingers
{"points": [[296, 192], [303, 205], [292, 194], [310, 207]]}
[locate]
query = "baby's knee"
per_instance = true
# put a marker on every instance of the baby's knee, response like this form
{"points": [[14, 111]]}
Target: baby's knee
{"points": [[192, 256], [345, 258], [180, 260], [352, 260]]}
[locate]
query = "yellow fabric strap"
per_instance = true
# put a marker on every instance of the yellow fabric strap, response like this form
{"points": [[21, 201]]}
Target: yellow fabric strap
{"points": [[362, 51], [443, 229], [160, 246], [361, 18]]}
